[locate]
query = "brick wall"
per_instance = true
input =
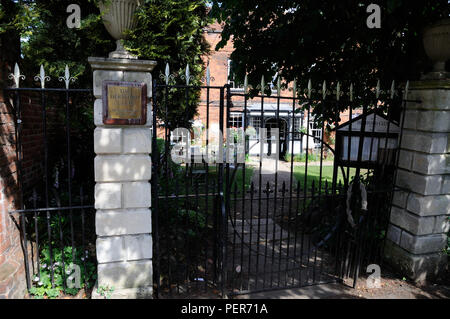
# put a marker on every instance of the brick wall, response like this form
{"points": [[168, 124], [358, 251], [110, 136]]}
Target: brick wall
{"points": [[12, 272], [218, 63], [32, 141]]}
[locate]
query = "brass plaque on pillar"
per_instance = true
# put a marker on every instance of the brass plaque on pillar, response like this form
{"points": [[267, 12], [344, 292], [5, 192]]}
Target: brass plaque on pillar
{"points": [[124, 103]]}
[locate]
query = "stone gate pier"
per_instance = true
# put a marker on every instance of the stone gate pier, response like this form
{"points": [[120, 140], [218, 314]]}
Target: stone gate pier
{"points": [[122, 190], [420, 214]]}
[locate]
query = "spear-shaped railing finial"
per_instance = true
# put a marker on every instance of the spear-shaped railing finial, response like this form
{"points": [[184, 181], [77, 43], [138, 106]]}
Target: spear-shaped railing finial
{"points": [[309, 88], [338, 91], [208, 75], [392, 91], [187, 75], [324, 90], [279, 86], [66, 78], [16, 76], [246, 84], [263, 85], [351, 92], [42, 77], [405, 96], [294, 88], [378, 89], [166, 76], [207, 78]]}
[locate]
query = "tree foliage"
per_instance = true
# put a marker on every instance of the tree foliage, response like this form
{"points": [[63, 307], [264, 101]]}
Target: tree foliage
{"points": [[168, 31], [327, 40], [12, 20], [172, 32], [46, 39]]}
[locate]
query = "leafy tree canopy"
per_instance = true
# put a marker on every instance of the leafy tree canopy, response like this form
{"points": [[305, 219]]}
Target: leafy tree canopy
{"points": [[172, 32], [328, 39], [168, 31]]}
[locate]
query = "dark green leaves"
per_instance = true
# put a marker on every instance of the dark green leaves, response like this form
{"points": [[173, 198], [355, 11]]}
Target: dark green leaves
{"points": [[327, 40]]}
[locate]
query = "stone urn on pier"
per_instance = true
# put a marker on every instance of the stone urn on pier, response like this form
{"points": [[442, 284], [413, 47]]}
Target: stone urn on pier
{"points": [[118, 16], [436, 41]]}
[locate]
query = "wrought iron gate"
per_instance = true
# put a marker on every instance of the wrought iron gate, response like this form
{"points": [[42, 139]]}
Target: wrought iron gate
{"points": [[51, 183], [188, 195], [228, 225]]}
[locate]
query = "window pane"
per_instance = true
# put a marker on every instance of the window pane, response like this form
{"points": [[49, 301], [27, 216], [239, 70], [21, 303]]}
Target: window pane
{"points": [[297, 127], [235, 120]]}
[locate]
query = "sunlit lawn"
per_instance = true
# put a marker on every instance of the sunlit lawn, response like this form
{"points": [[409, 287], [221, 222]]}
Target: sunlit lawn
{"points": [[238, 177], [313, 174]]}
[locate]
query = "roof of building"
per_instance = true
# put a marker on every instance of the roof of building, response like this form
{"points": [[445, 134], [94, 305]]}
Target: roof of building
{"points": [[376, 121], [284, 107]]}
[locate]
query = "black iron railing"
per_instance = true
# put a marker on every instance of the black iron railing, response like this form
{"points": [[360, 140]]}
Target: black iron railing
{"points": [[229, 226], [54, 210]]}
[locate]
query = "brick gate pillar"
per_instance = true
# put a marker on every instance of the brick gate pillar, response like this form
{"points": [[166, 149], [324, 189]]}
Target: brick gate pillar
{"points": [[419, 222], [122, 190]]}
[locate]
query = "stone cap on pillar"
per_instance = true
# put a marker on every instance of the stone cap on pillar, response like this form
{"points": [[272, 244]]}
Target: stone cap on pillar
{"points": [[443, 84], [99, 63]]}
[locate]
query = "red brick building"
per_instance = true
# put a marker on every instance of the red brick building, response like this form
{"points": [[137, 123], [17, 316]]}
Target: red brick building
{"points": [[287, 121]]}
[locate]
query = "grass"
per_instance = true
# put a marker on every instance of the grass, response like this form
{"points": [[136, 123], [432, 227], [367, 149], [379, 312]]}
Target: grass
{"points": [[302, 157], [238, 179], [312, 157], [314, 175], [212, 181]]}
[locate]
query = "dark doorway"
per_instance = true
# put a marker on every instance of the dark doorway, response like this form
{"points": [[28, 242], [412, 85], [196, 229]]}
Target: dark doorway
{"points": [[281, 125]]}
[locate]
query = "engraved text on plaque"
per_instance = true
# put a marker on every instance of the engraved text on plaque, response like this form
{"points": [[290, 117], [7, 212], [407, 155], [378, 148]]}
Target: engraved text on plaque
{"points": [[124, 103]]}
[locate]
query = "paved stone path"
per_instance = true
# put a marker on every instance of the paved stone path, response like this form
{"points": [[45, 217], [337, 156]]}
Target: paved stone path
{"points": [[264, 247], [248, 233], [268, 175]]}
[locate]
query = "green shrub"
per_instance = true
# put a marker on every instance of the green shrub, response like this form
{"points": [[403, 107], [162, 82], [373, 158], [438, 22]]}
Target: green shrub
{"points": [[42, 284], [313, 157]]}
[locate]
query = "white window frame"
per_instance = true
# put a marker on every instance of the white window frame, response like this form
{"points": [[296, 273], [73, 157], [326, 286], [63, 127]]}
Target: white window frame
{"points": [[296, 125], [232, 120], [316, 132]]}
